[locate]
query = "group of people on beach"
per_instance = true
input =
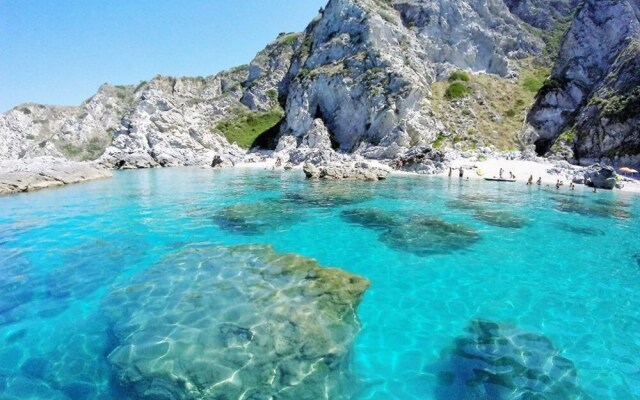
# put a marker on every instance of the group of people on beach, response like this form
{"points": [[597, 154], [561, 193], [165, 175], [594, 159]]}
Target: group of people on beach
{"points": [[511, 175]]}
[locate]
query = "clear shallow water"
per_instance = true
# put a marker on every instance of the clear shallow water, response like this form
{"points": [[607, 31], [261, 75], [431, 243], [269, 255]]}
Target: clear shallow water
{"points": [[564, 265]]}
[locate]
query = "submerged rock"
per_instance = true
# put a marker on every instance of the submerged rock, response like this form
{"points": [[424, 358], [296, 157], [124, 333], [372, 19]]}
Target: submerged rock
{"points": [[579, 230], [329, 195], [500, 361], [591, 210], [370, 218], [256, 218], [421, 235], [235, 322], [502, 219], [426, 235], [499, 218]]}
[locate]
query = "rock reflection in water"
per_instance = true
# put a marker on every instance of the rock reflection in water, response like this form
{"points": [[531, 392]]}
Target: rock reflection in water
{"points": [[235, 322], [326, 194], [579, 230], [591, 210], [499, 218]]}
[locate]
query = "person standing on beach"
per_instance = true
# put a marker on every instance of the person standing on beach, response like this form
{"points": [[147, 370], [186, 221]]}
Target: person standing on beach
{"points": [[530, 181], [450, 170], [461, 172], [501, 172]]}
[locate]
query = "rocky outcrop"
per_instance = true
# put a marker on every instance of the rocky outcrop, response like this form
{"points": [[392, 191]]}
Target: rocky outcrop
{"points": [[75, 133], [235, 322], [366, 77], [45, 172], [600, 177], [172, 119], [359, 171], [592, 98], [542, 14], [164, 122], [365, 67], [500, 361]]}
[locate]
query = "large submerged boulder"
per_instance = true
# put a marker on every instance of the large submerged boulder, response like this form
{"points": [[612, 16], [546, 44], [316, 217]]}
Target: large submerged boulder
{"points": [[419, 234], [235, 322], [500, 361]]}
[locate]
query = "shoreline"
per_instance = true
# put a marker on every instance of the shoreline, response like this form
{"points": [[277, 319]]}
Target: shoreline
{"points": [[26, 175]]}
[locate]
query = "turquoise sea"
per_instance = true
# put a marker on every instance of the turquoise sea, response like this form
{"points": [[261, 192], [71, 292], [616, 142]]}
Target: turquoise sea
{"points": [[440, 254]]}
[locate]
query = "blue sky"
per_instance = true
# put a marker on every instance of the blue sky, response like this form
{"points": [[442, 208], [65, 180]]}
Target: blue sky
{"points": [[60, 52]]}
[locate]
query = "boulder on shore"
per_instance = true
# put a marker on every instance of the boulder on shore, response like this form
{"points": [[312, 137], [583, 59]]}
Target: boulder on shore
{"points": [[359, 171], [44, 172], [601, 177]]}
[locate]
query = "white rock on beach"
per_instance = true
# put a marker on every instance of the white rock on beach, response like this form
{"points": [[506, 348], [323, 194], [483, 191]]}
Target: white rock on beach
{"points": [[45, 172], [359, 171]]}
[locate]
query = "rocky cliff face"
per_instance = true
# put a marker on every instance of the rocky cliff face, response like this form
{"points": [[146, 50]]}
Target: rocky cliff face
{"points": [[370, 77], [542, 14], [175, 121], [365, 67], [588, 109], [164, 122], [77, 133]]}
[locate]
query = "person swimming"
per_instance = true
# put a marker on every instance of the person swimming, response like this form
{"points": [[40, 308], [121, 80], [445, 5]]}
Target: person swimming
{"points": [[539, 181], [530, 181]]}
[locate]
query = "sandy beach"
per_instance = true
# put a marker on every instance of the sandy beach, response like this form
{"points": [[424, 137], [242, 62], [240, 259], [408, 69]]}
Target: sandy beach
{"points": [[522, 170]]}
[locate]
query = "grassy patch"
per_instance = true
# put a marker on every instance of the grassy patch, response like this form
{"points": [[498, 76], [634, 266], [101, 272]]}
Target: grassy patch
{"points": [[459, 76], [288, 38], [493, 96], [91, 151], [272, 94], [534, 79], [245, 127], [439, 142], [456, 90]]}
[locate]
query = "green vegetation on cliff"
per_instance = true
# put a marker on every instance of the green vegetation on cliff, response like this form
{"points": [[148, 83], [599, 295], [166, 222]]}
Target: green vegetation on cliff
{"points": [[246, 126], [493, 114]]}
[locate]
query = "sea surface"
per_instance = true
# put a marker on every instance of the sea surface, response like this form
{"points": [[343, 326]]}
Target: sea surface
{"points": [[442, 254]]}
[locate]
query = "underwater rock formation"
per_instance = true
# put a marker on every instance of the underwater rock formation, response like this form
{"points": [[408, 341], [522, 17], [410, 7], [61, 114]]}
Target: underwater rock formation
{"points": [[419, 234], [235, 322], [499, 218], [500, 361], [256, 218]]}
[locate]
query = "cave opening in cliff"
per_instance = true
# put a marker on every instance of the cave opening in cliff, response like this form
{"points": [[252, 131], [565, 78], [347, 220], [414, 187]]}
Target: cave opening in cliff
{"points": [[335, 144]]}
